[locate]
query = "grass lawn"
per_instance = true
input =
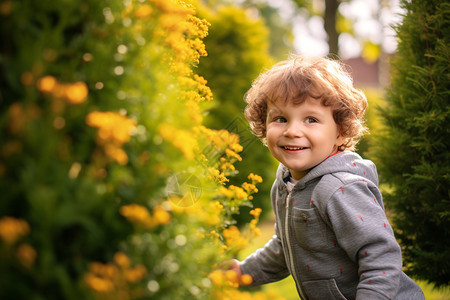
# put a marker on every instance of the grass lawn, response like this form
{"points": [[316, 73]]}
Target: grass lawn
{"points": [[286, 287]]}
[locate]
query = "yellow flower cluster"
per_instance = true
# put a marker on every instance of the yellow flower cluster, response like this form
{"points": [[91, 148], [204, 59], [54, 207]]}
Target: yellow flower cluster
{"points": [[73, 92], [114, 278], [234, 238], [12, 229], [255, 213], [194, 91], [233, 192], [140, 216], [250, 187], [255, 178], [226, 285], [224, 145], [232, 294], [26, 255], [218, 176], [222, 139], [182, 139], [114, 130], [20, 115], [179, 30], [233, 154], [211, 213], [196, 87], [229, 278]]}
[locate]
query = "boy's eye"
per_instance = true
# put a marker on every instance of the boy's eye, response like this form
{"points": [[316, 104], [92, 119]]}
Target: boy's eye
{"points": [[280, 120], [310, 120]]}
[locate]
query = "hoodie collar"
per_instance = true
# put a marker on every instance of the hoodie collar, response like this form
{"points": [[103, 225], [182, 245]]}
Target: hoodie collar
{"points": [[346, 161]]}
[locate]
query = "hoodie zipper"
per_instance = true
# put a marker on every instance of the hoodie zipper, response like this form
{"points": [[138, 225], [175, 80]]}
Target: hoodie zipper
{"points": [[288, 243]]}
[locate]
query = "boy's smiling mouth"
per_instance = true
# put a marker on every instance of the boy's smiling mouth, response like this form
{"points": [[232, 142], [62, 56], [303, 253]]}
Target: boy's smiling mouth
{"points": [[293, 148]]}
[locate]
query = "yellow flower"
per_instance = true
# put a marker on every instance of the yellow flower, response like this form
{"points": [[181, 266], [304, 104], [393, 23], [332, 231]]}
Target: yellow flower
{"points": [[256, 212], [99, 284], [249, 187], [136, 214], [239, 193], [246, 279], [77, 92], [113, 131], [234, 238], [236, 147], [232, 278], [217, 176], [47, 84], [74, 92], [217, 277], [135, 274], [227, 166], [12, 229], [143, 11], [231, 153], [122, 260], [212, 213], [116, 153], [255, 178], [161, 216], [113, 127], [184, 140], [26, 255]]}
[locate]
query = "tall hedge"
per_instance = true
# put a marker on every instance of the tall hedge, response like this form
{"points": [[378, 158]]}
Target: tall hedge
{"points": [[111, 187], [414, 151]]}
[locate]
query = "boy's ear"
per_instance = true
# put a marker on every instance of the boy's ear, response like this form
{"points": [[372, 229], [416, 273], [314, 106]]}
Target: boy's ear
{"points": [[340, 140]]}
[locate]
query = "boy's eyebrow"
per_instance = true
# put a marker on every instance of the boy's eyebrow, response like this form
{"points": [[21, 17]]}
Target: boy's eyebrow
{"points": [[274, 111], [274, 107]]}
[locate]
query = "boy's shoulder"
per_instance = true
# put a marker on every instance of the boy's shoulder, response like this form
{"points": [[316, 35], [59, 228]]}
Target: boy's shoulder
{"points": [[332, 186]]}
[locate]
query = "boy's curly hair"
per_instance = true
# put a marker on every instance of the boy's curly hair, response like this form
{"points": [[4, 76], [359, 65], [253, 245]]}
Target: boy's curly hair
{"points": [[302, 77]]}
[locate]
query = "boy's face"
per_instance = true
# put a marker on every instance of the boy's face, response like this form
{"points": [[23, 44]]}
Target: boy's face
{"points": [[301, 136]]}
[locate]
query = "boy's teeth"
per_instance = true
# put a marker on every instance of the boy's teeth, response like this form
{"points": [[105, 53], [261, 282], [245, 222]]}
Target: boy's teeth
{"points": [[293, 148]]}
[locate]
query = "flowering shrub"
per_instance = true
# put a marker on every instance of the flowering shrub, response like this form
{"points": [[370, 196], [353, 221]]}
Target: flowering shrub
{"points": [[111, 186]]}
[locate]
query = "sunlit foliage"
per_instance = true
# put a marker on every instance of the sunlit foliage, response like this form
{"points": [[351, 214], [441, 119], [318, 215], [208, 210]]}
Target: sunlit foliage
{"points": [[111, 186]]}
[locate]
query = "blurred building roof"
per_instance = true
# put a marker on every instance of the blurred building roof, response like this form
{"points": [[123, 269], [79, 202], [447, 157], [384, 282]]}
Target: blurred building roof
{"points": [[364, 74]]}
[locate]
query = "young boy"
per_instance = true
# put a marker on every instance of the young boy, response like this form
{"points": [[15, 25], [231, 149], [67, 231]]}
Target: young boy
{"points": [[331, 231]]}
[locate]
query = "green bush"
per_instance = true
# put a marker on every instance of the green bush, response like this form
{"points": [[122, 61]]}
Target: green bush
{"points": [[413, 151], [111, 186]]}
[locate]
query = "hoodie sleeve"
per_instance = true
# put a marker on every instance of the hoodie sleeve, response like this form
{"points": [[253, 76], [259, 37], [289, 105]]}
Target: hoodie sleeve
{"points": [[267, 264], [358, 219]]}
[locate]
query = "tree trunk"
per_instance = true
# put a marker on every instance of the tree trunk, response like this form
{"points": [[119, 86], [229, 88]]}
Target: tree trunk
{"points": [[331, 7]]}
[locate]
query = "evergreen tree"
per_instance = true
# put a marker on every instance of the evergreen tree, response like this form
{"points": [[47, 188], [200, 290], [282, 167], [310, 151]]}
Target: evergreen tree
{"points": [[413, 152]]}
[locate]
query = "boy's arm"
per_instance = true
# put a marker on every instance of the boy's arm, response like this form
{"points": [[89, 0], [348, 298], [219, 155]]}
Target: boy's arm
{"points": [[267, 264], [356, 213]]}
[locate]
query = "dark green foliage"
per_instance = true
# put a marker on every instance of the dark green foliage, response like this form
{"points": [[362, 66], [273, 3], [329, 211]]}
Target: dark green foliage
{"points": [[413, 152], [42, 38]]}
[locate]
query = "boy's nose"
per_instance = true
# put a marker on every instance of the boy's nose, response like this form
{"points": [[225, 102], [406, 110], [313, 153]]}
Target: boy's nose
{"points": [[293, 131]]}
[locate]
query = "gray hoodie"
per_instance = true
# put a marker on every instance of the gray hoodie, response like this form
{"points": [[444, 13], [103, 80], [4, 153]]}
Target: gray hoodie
{"points": [[332, 236]]}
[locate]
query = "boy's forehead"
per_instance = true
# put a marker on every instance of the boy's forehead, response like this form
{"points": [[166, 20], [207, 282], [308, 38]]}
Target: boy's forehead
{"points": [[275, 105], [279, 104]]}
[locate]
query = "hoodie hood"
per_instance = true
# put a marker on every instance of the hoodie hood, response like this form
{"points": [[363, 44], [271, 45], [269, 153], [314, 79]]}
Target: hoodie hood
{"points": [[347, 161]]}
